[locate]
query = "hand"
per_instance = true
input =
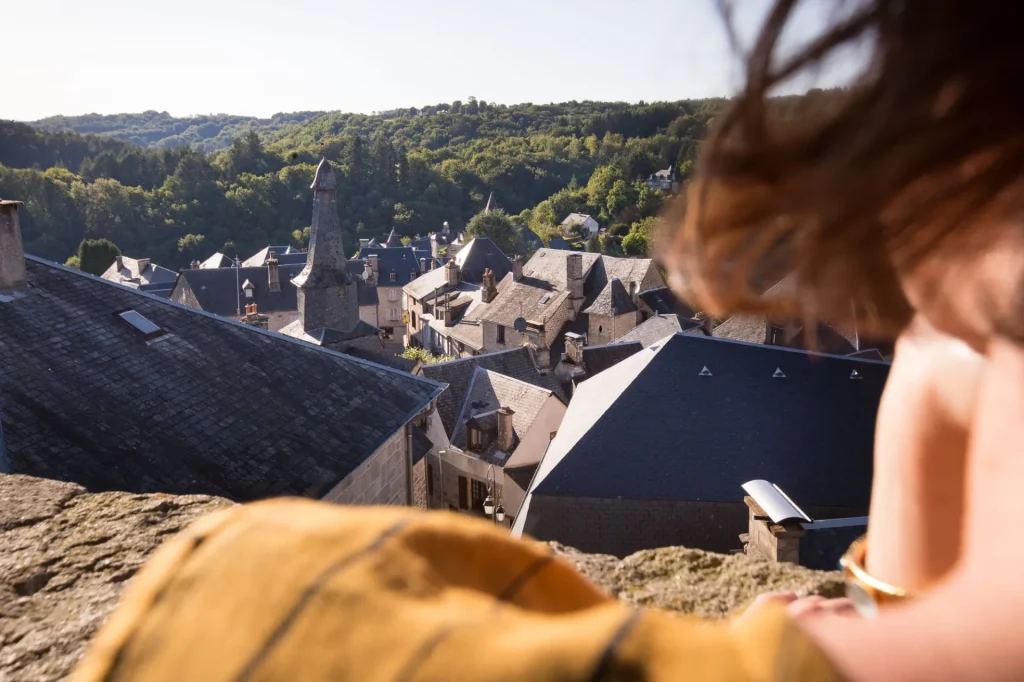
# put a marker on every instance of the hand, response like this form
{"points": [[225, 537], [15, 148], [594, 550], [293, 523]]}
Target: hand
{"points": [[798, 608]]}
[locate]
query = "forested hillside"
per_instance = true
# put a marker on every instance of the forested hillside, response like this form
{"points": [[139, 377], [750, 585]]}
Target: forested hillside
{"points": [[160, 130], [408, 169]]}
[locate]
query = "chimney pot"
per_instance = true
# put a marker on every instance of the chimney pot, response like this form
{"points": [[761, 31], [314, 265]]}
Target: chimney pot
{"points": [[12, 251], [506, 433]]}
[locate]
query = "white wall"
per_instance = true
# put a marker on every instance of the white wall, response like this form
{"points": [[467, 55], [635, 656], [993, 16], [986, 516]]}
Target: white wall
{"points": [[531, 448]]}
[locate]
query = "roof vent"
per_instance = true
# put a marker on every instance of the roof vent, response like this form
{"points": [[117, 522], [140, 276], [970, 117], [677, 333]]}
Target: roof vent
{"points": [[704, 372], [141, 324], [855, 375], [779, 374]]}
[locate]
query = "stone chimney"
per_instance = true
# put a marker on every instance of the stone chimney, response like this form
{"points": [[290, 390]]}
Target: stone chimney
{"points": [[771, 541], [194, 265], [574, 282], [574, 344], [435, 247], [706, 321], [368, 275], [273, 278], [452, 273], [517, 268], [12, 252], [489, 287], [372, 260], [254, 318], [423, 265], [506, 433], [119, 260], [634, 293]]}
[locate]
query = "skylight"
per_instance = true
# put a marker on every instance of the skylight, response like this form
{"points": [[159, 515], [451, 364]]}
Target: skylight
{"points": [[704, 372], [779, 374], [141, 323], [855, 375], [545, 298]]}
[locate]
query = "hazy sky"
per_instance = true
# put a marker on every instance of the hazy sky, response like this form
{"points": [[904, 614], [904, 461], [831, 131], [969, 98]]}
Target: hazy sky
{"points": [[259, 57]]}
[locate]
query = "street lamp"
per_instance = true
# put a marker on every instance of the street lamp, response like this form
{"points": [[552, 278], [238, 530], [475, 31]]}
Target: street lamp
{"points": [[495, 512]]}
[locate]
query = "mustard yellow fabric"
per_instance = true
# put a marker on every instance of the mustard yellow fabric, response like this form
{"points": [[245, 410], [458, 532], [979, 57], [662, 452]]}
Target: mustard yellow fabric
{"points": [[300, 590]]}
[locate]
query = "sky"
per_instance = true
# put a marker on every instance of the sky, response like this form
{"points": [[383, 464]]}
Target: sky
{"points": [[259, 57]]}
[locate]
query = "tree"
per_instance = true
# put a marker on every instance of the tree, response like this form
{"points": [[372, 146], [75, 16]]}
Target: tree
{"points": [[635, 244], [497, 226], [96, 255], [424, 356], [601, 182], [192, 247], [594, 244]]}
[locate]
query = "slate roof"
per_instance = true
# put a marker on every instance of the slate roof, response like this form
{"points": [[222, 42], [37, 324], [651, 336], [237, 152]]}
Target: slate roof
{"points": [[606, 268], [149, 273], [597, 359], [481, 254], [747, 328], [283, 254], [217, 260], [655, 329], [664, 302], [612, 301], [559, 244], [217, 289], [401, 261], [209, 406], [549, 266], [576, 218], [515, 363], [518, 299], [393, 240], [653, 428], [329, 337], [487, 392], [426, 284]]}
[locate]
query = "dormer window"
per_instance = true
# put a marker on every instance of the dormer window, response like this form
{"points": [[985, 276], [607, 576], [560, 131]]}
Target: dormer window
{"points": [[394, 276], [248, 288], [475, 438]]}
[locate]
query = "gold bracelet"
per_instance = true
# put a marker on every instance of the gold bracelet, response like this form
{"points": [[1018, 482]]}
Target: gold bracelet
{"points": [[867, 592]]}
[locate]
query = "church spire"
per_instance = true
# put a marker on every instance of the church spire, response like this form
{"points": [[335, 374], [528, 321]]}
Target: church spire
{"points": [[325, 265], [490, 203]]}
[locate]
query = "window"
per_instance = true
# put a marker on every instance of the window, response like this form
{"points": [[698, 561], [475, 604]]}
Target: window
{"points": [[394, 314], [394, 276], [412, 316], [430, 479], [479, 494], [394, 294], [501, 334], [141, 324], [413, 275], [463, 492]]}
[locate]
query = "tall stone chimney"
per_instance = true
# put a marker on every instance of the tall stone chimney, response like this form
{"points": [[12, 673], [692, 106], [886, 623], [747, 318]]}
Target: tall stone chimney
{"points": [[423, 265], [506, 433], [273, 278], [517, 268], [574, 282], [489, 287], [326, 291], [574, 344], [435, 246], [119, 260], [12, 252], [452, 273]]}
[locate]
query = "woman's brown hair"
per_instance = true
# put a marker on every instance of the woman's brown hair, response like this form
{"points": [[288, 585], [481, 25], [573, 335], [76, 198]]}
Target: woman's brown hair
{"points": [[930, 136]]}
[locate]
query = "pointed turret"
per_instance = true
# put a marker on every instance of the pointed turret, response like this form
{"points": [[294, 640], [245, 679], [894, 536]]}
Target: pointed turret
{"points": [[326, 291], [490, 203], [325, 265], [394, 241]]}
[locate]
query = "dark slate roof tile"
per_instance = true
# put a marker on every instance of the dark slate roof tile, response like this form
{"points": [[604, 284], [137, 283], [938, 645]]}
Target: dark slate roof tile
{"points": [[208, 406], [401, 262], [481, 254], [811, 432], [458, 374]]}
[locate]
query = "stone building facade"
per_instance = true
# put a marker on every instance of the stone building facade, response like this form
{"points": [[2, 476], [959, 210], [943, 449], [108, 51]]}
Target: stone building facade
{"points": [[384, 478]]}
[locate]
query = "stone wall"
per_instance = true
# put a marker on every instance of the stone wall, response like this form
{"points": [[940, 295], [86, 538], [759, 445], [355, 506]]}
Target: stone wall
{"points": [[66, 555], [382, 479], [603, 329], [623, 526]]}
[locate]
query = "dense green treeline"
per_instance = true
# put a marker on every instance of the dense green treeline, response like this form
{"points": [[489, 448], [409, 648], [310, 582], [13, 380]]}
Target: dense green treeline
{"points": [[408, 169]]}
